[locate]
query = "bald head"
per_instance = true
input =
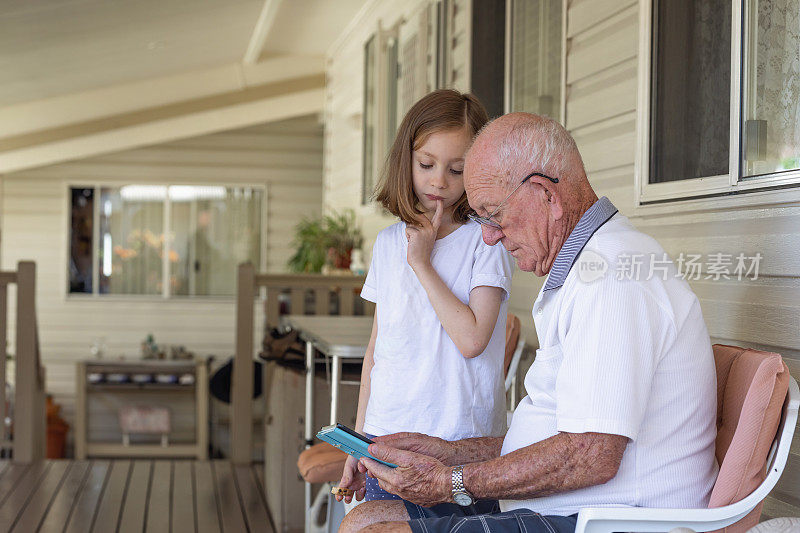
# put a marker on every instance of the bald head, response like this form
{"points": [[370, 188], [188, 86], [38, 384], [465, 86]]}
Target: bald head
{"points": [[534, 222], [524, 143]]}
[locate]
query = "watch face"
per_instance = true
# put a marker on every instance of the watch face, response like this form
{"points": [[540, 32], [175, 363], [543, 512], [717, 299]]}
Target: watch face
{"points": [[462, 498]]}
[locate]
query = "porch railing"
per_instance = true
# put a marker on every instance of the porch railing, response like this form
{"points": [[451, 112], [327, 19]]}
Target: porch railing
{"points": [[29, 422], [339, 290]]}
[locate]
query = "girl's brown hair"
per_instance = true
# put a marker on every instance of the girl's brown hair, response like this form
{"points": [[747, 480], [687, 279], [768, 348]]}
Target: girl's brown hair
{"points": [[441, 110]]}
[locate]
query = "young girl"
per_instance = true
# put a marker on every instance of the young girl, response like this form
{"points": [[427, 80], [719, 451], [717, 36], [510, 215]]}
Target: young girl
{"points": [[434, 363]]}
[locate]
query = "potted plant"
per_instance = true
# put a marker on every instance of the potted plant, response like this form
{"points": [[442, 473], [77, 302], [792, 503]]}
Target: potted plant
{"points": [[311, 246], [343, 237], [330, 239]]}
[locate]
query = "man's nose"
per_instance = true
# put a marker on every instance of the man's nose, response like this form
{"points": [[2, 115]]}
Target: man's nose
{"points": [[491, 236]]}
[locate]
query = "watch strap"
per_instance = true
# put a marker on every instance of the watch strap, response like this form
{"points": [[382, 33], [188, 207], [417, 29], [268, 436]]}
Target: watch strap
{"points": [[460, 494], [457, 478]]}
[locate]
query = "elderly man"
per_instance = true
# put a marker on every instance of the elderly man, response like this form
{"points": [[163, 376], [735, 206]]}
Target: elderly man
{"points": [[621, 400]]}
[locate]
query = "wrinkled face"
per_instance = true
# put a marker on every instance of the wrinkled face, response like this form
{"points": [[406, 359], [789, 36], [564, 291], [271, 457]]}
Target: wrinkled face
{"points": [[438, 167], [524, 218]]}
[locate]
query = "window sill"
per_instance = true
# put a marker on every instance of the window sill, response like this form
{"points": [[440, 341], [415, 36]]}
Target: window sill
{"points": [[785, 194]]}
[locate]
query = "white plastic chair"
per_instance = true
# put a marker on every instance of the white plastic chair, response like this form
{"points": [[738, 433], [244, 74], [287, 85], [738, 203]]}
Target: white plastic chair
{"points": [[511, 382], [609, 520]]}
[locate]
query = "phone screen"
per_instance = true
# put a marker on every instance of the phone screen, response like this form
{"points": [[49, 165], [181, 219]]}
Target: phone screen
{"points": [[353, 433]]}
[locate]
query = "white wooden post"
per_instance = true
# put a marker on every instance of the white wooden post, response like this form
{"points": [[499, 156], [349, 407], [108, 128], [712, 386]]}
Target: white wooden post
{"points": [[242, 379], [29, 407], [4, 355]]}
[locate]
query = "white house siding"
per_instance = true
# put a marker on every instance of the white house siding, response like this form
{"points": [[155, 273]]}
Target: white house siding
{"points": [[285, 156], [600, 113]]}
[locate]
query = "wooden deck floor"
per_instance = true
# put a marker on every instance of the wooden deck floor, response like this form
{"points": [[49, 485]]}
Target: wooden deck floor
{"points": [[132, 495]]}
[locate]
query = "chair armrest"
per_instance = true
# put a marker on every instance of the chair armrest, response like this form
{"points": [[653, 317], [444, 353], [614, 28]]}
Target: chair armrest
{"points": [[611, 519]]}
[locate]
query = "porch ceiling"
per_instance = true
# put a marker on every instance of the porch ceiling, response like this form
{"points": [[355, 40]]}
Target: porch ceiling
{"points": [[50, 48], [86, 77]]}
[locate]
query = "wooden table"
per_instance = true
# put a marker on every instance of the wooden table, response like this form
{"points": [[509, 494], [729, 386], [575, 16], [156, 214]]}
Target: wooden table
{"points": [[84, 448], [337, 338]]}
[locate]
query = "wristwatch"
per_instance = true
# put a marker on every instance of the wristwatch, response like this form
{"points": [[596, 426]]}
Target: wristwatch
{"points": [[460, 494]]}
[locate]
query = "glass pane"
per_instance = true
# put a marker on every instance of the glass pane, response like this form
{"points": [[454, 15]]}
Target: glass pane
{"points": [[131, 239], [369, 122], [690, 113], [536, 57], [214, 229], [391, 75], [80, 240], [771, 128]]}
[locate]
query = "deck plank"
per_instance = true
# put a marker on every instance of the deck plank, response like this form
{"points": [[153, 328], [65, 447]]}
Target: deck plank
{"points": [[183, 512], [232, 516], [82, 516], [258, 472], [63, 501], [19, 495], [206, 499], [132, 496], [258, 468], [11, 476], [158, 507], [108, 512], [133, 512], [39, 502], [253, 504]]}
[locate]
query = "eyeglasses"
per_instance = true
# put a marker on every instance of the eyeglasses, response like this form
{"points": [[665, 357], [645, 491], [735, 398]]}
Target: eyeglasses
{"points": [[487, 220]]}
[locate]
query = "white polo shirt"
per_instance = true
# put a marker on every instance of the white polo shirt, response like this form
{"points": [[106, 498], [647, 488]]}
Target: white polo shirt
{"points": [[621, 356]]}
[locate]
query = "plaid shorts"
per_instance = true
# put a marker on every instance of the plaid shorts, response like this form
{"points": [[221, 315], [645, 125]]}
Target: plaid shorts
{"points": [[451, 518]]}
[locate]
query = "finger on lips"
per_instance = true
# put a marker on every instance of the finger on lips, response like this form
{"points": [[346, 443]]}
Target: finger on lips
{"points": [[437, 216]]}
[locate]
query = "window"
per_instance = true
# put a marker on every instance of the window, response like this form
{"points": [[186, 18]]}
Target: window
{"points": [[381, 70], [534, 56], [724, 98], [127, 240], [418, 52], [369, 122], [771, 121]]}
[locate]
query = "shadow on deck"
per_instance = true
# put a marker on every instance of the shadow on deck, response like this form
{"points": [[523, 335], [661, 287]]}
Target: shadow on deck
{"points": [[132, 495]]}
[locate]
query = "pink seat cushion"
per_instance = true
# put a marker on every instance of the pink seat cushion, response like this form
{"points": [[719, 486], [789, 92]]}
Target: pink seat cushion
{"points": [[321, 463], [751, 388]]}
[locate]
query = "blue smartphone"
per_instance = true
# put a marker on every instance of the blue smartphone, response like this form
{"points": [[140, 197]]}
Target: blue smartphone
{"points": [[349, 442]]}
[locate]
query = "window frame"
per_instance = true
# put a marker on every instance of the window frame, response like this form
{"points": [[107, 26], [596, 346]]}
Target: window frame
{"points": [[384, 105], [165, 295], [509, 75], [712, 186]]}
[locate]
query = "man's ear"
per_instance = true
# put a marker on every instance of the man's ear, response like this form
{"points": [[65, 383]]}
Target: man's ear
{"points": [[556, 207], [551, 192]]}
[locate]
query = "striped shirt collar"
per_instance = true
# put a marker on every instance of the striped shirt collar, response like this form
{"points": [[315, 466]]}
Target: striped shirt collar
{"points": [[597, 215]]}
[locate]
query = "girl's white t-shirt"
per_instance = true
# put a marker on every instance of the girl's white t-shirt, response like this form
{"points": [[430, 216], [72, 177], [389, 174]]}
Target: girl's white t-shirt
{"points": [[420, 381]]}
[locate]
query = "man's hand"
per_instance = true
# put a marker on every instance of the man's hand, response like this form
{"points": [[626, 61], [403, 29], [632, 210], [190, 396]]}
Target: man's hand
{"points": [[418, 478], [422, 236], [434, 447]]}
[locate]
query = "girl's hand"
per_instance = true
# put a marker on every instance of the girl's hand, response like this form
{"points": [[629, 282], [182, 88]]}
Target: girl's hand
{"points": [[353, 478], [422, 236]]}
